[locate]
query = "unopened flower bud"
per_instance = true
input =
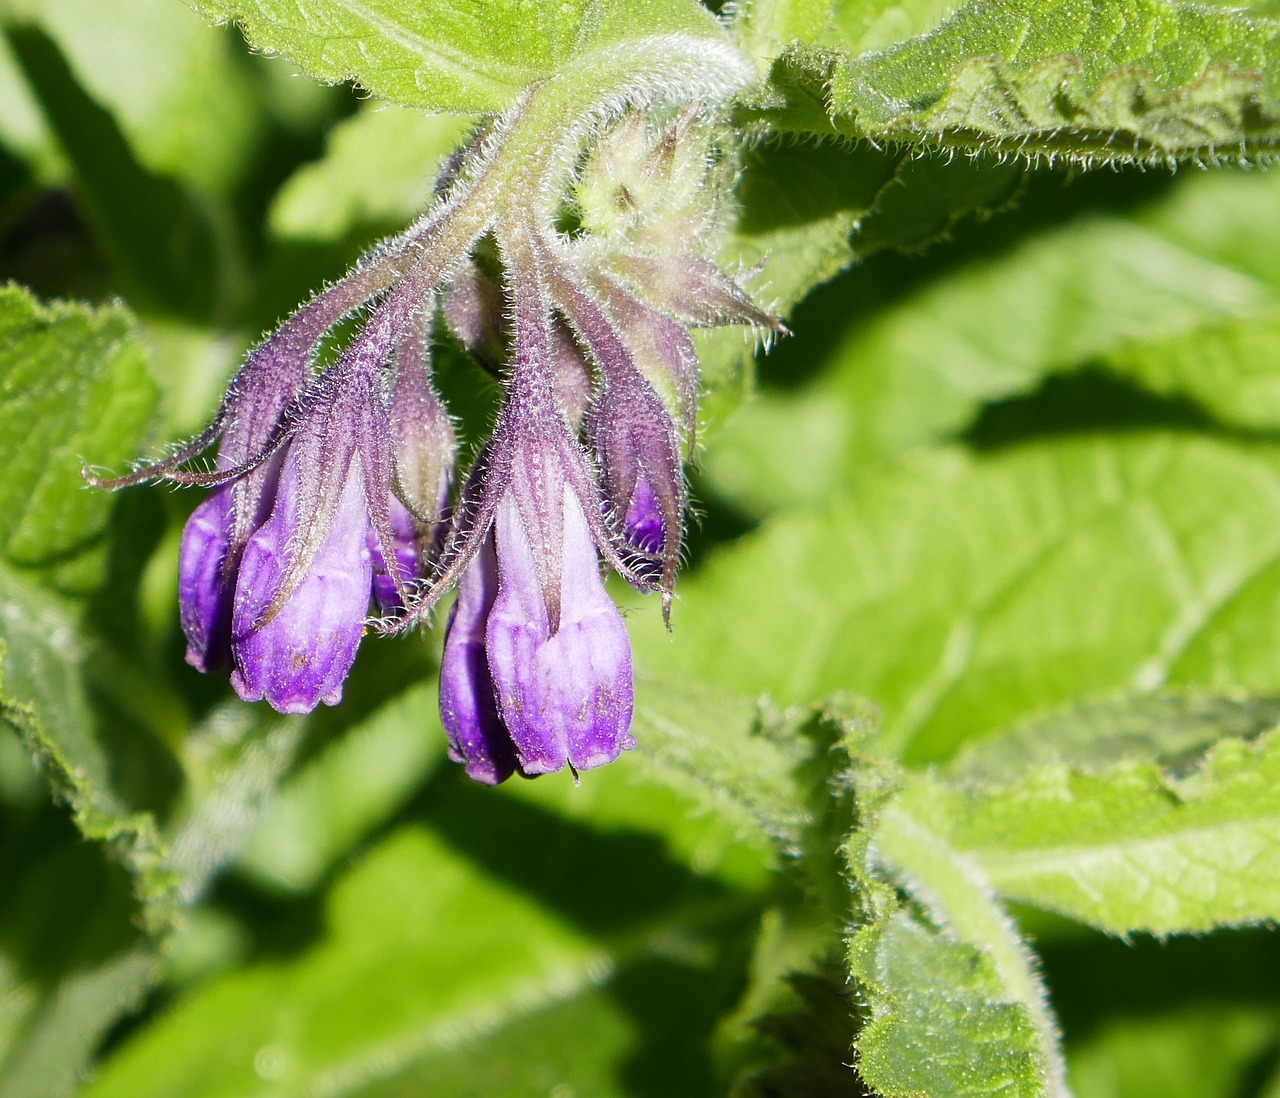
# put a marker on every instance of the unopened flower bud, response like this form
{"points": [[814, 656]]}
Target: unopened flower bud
{"points": [[425, 443]]}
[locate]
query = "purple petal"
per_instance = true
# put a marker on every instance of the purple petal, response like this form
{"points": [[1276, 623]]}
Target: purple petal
{"points": [[468, 709], [566, 697], [405, 548], [643, 523], [301, 656], [204, 593]]}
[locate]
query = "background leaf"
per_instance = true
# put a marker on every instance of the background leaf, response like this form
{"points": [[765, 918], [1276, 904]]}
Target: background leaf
{"points": [[1103, 82], [379, 169], [441, 57], [949, 590], [1133, 847]]}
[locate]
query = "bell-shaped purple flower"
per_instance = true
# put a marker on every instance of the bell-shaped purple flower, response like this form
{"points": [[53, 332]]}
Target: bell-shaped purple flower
{"points": [[477, 734], [564, 686], [527, 682], [299, 655], [204, 595]]}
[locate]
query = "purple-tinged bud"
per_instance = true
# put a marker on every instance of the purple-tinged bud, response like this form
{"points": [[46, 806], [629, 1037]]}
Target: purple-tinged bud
{"points": [[661, 350], [633, 431], [404, 537], [642, 476], [468, 709], [691, 288], [474, 312], [564, 688], [300, 654], [425, 443], [573, 380]]}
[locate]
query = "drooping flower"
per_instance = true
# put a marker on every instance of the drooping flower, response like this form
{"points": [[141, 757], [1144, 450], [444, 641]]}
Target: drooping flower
{"points": [[537, 664], [295, 649], [332, 489]]}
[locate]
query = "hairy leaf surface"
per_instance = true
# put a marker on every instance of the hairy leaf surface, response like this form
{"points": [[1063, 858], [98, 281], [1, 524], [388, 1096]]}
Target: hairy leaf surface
{"points": [[448, 57]]}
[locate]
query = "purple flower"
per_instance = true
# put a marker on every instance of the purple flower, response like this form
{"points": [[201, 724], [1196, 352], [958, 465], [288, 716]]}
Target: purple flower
{"points": [[563, 684], [536, 656], [298, 653], [405, 555], [204, 594], [477, 735], [334, 489], [643, 524]]}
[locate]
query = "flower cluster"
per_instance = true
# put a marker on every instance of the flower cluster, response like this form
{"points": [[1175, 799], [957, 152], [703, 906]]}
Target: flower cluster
{"points": [[576, 276]]}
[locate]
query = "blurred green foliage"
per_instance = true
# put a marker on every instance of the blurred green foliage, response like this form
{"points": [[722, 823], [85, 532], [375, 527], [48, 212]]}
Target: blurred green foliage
{"points": [[1015, 479]]}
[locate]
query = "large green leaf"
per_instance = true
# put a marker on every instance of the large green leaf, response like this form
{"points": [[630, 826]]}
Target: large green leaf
{"points": [[473, 954], [1131, 847], [1100, 292], [963, 593], [1097, 82], [446, 57]]}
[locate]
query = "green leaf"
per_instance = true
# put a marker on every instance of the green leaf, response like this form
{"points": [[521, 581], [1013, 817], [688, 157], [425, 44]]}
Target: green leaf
{"points": [[473, 954], [1137, 846], [43, 696], [1184, 1053], [727, 754], [73, 387], [77, 376], [22, 128], [181, 97], [63, 1030], [963, 593], [233, 761], [1227, 368], [71, 961], [1098, 82], [339, 796], [954, 1002], [928, 195], [379, 169], [1085, 294], [159, 237], [1093, 735], [798, 204], [865, 25], [764, 28], [941, 1021], [443, 57]]}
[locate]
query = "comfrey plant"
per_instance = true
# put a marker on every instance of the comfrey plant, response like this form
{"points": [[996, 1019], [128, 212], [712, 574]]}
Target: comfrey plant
{"points": [[569, 249]]}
